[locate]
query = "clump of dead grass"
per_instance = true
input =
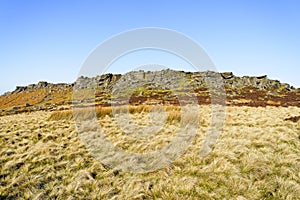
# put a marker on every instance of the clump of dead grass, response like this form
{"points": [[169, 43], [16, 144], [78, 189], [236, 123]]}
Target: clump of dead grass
{"points": [[100, 112]]}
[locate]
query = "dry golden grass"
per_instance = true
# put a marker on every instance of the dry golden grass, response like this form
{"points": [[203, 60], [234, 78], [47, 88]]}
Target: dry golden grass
{"points": [[172, 111], [256, 157]]}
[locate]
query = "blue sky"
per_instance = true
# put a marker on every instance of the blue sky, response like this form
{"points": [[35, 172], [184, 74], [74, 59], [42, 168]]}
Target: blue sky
{"points": [[49, 40]]}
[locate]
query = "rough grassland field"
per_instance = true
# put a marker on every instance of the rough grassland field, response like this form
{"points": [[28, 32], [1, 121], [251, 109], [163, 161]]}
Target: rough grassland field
{"points": [[256, 157]]}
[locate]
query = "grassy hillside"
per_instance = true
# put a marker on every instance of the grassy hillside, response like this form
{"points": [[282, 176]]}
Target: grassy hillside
{"points": [[256, 157], [44, 154]]}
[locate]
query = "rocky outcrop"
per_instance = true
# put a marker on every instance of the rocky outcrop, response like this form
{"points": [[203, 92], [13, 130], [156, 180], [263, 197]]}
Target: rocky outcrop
{"points": [[20, 89], [166, 79], [151, 87], [169, 78], [103, 81], [40, 85]]}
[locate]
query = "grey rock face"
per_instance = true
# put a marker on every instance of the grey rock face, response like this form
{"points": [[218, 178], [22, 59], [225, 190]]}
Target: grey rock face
{"points": [[42, 84], [165, 79], [20, 89]]}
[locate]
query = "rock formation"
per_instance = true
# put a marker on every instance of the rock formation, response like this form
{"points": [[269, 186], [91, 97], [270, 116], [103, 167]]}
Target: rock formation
{"points": [[150, 87]]}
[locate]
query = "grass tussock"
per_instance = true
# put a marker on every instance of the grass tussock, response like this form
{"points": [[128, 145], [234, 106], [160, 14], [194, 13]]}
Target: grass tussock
{"points": [[173, 112], [256, 157]]}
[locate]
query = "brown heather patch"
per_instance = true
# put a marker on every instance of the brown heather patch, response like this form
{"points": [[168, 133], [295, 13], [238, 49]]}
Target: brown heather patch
{"points": [[33, 97], [36, 97], [256, 157]]}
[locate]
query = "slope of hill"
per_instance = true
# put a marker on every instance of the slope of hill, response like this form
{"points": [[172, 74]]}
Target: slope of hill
{"points": [[161, 87], [43, 154]]}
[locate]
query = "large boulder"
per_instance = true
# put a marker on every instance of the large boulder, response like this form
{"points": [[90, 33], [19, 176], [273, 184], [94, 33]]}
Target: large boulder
{"points": [[42, 84], [227, 75], [20, 89], [261, 77]]}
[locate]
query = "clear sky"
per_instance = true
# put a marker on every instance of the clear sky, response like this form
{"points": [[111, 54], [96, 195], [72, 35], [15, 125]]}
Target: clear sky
{"points": [[49, 40]]}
